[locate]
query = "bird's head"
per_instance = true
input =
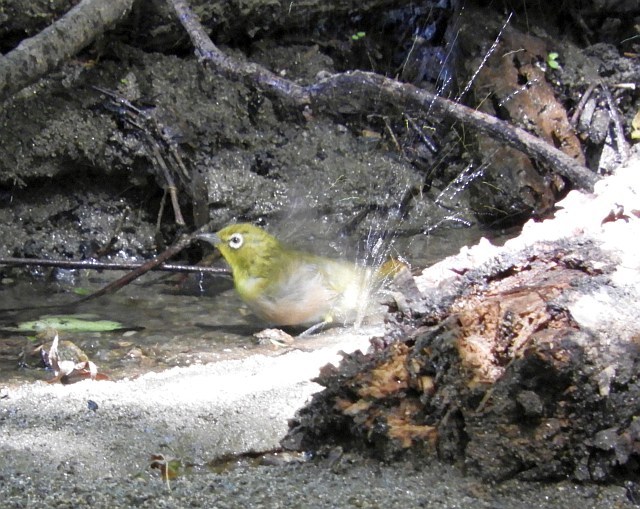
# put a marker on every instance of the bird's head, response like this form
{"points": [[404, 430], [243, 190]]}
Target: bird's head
{"points": [[245, 247]]}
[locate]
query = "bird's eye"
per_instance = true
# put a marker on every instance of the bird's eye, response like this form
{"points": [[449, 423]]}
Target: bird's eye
{"points": [[235, 241]]}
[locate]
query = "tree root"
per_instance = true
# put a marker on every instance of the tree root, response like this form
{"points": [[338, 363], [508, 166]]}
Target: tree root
{"points": [[358, 87], [36, 56]]}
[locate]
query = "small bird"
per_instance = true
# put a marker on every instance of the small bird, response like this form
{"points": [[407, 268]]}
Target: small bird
{"points": [[289, 287]]}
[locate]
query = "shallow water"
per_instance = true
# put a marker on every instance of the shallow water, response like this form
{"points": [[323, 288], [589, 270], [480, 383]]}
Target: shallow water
{"points": [[168, 320]]}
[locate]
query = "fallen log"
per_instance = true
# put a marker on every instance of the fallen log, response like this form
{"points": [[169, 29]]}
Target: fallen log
{"points": [[523, 361]]}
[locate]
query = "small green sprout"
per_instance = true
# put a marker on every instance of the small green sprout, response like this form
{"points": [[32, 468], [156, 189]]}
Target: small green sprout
{"points": [[552, 60], [358, 35]]}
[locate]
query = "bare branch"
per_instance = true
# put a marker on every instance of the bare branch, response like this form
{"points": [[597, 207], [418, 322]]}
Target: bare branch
{"points": [[38, 55], [95, 265], [158, 261], [179, 245]]}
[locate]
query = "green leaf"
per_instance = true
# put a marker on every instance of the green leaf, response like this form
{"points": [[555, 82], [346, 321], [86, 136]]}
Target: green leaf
{"points": [[552, 60], [69, 323]]}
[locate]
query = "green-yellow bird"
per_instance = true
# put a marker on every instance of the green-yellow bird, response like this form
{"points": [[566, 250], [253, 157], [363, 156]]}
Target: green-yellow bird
{"points": [[290, 287]]}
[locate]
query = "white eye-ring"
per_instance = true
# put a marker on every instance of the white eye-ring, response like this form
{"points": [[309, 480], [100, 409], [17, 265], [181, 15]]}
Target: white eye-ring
{"points": [[236, 240]]}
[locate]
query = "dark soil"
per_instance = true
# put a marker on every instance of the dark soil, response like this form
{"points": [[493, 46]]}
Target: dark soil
{"points": [[249, 159]]}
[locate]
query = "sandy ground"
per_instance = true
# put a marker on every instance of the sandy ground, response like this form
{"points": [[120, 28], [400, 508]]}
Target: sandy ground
{"points": [[57, 452], [197, 413]]}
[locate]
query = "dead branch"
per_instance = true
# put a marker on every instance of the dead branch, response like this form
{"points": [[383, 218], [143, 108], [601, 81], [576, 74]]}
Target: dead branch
{"points": [[96, 265], [352, 92], [38, 55], [179, 245], [250, 73], [156, 141], [624, 151], [158, 261]]}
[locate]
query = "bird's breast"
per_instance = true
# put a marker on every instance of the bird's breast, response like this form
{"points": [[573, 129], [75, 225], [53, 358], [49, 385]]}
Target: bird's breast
{"points": [[299, 298], [307, 293]]}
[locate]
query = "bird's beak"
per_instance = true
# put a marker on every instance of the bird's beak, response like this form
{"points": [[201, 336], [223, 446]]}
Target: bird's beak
{"points": [[211, 238]]}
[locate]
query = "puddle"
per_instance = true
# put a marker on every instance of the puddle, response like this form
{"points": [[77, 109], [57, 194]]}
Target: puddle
{"points": [[172, 322]]}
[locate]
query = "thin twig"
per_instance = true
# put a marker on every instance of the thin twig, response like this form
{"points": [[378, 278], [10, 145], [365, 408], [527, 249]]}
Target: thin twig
{"points": [[96, 265], [583, 101], [170, 186], [158, 261], [387, 126], [152, 130], [425, 139], [163, 203], [179, 245], [623, 147]]}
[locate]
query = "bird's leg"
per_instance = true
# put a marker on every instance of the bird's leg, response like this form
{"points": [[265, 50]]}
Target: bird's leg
{"points": [[315, 328]]}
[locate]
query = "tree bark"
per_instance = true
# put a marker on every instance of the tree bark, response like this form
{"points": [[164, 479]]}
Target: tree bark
{"points": [[35, 57]]}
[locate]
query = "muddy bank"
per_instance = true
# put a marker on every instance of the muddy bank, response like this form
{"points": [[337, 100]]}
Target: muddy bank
{"points": [[331, 173]]}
